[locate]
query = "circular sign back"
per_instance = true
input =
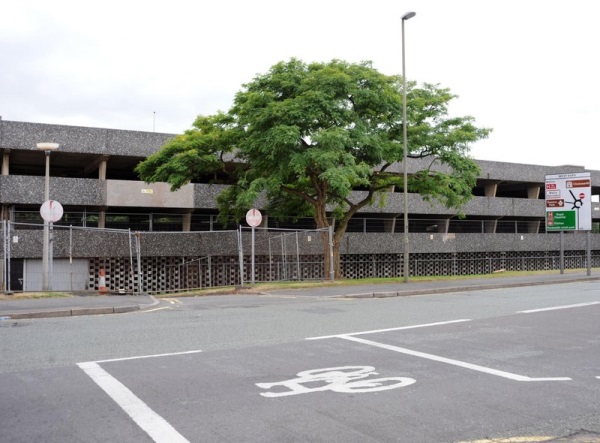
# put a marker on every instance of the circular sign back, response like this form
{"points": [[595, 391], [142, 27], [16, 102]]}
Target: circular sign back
{"points": [[51, 211], [253, 217]]}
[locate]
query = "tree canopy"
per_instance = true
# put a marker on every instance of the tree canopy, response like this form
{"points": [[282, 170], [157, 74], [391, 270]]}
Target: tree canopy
{"points": [[305, 136]]}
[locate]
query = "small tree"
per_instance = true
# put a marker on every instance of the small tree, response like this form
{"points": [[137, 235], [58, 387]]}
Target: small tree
{"points": [[305, 136]]}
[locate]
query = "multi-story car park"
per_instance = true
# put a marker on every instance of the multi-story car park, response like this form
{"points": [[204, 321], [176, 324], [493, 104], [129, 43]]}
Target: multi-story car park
{"points": [[147, 238]]}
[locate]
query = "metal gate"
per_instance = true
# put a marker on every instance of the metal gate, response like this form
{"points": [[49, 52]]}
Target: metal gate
{"points": [[66, 275]]}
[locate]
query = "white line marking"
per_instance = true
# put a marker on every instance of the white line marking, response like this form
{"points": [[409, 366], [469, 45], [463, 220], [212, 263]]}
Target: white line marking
{"points": [[156, 309], [147, 356], [450, 361], [555, 308], [375, 331], [153, 424]]}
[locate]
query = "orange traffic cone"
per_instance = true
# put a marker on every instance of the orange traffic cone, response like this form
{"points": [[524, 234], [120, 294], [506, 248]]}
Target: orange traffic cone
{"points": [[102, 283]]}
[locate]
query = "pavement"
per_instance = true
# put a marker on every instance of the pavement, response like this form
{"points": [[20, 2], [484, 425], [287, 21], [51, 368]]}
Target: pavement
{"points": [[15, 308], [18, 308]]}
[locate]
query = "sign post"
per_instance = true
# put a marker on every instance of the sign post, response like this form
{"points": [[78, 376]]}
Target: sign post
{"points": [[253, 218], [568, 206], [51, 211]]}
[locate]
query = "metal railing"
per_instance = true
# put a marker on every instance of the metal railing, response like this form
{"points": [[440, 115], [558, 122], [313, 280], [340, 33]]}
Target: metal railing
{"points": [[167, 222]]}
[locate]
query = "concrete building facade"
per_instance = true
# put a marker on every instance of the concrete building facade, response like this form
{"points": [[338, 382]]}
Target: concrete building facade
{"points": [[141, 232]]}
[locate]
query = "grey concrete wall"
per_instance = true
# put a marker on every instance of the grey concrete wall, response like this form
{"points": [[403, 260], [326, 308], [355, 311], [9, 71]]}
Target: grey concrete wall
{"points": [[23, 189], [382, 243], [16, 189], [22, 135], [117, 244], [153, 195]]}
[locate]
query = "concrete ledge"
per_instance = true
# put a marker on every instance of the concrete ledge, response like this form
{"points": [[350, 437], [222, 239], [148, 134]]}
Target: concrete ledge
{"points": [[385, 294], [124, 309], [40, 314], [92, 311], [363, 295], [69, 312]]}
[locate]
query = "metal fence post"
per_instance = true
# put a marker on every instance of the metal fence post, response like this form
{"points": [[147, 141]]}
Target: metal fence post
{"points": [[297, 258], [241, 255]]}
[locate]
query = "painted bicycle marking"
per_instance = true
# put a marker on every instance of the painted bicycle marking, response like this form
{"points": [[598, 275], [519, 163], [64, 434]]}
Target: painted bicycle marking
{"points": [[343, 379]]}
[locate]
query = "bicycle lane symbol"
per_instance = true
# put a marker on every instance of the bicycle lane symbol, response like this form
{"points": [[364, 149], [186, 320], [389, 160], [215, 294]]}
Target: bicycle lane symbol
{"points": [[343, 379]]}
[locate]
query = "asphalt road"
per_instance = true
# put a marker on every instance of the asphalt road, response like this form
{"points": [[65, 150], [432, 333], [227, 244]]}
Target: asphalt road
{"points": [[468, 366]]}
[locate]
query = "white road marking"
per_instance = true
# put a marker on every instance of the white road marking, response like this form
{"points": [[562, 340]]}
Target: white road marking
{"points": [[153, 424], [173, 301], [462, 364], [156, 309], [147, 356], [389, 329], [341, 379], [555, 308]]}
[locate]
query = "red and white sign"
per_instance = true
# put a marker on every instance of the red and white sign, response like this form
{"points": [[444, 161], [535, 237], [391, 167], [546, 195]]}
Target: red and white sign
{"points": [[253, 217], [51, 211]]}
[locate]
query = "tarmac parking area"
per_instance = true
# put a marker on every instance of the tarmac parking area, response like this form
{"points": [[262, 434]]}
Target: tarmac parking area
{"points": [[532, 373]]}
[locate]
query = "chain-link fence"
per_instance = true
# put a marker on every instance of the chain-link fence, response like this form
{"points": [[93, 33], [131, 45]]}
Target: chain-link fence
{"points": [[156, 262]]}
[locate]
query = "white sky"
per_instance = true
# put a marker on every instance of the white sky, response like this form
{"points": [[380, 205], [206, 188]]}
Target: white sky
{"points": [[529, 69]]}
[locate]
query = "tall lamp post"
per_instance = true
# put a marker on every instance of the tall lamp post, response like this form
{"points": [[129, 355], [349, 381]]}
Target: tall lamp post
{"points": [[47, 148], [405, 17]]}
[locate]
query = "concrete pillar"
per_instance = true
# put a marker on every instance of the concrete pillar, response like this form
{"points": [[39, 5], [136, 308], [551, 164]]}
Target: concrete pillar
{"points": [[4, 209], [533, 192], [443, 225], [187, 222], [490, 226], [102, 176], [533, 227], [5, 161], [102, 219], [264, 222], [389, 225], [491, 189], [102, 167]]}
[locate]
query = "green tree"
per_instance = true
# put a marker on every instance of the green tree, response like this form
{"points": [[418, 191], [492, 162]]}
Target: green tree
{"points": [[321, 140]]}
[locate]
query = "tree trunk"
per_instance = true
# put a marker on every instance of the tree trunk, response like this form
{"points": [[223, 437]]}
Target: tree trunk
{"points": [[323, 223], [337, 266]]}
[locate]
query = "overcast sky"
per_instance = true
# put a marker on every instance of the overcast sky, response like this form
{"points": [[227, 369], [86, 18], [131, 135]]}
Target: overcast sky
{"points": [[529, 69]]}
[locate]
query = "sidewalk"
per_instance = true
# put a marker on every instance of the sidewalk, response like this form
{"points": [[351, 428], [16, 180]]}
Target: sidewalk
{"points": [[73, 306], [115, 304], [439, 286]]}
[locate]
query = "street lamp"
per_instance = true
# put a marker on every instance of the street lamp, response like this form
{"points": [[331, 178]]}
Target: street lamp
{"points": [[405, 17], [47, 148]]}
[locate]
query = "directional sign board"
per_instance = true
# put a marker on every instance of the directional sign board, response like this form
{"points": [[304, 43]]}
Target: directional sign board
{"points": [[569, 202]]}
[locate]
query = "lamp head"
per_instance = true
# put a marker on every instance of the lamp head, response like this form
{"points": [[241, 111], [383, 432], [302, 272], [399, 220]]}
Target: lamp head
{"points": [[47, 147], [409, 15]]}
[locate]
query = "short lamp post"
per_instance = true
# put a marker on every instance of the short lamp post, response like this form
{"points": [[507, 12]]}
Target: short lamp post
{"points": [[47, 148], [405, 17]]}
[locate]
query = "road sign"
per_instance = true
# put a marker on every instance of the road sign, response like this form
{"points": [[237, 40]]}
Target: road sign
{"points": [[561, 220], [253, 217], [51, 211], [569, 202]]}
